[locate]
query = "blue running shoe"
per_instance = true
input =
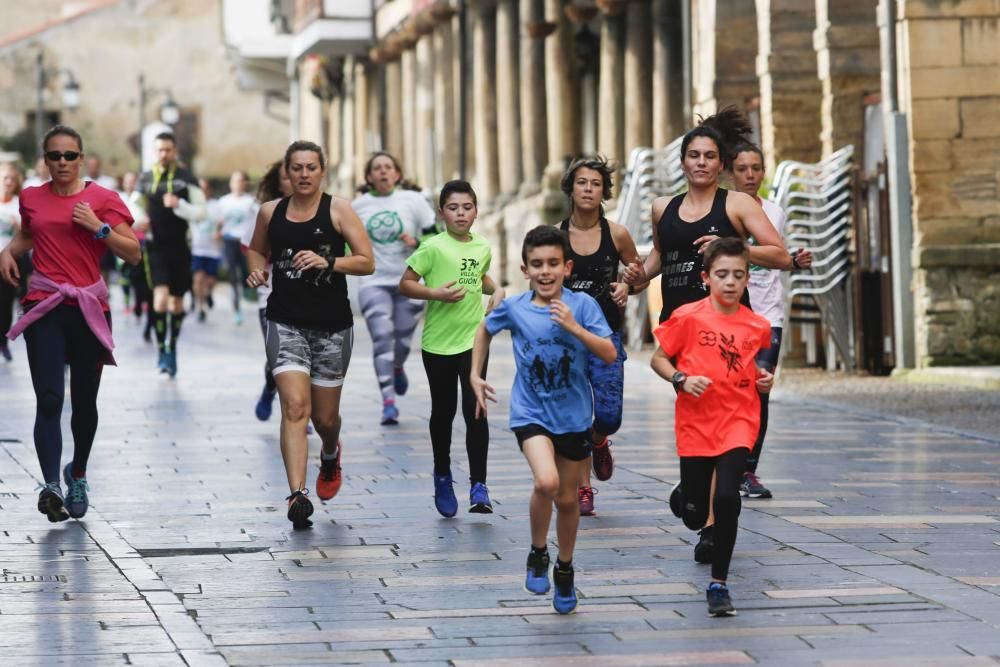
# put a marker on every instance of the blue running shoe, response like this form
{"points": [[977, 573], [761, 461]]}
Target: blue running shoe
{"points": [[51, 504], [264, 405], [444, 496], [400, 382], [537, 579], [564, 598], [172, 361], [162, 364], [390, 414], [479, 499], [719, 602], [76, 493]]}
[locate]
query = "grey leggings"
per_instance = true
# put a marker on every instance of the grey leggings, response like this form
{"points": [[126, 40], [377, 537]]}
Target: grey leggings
{"points": [[391, 320]]}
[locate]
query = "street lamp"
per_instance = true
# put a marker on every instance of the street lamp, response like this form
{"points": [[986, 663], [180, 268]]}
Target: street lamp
{"points": [[70, 92]]}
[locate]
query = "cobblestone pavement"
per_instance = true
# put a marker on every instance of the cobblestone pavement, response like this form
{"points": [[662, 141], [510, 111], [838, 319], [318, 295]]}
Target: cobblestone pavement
{"points": [[881, 546]]}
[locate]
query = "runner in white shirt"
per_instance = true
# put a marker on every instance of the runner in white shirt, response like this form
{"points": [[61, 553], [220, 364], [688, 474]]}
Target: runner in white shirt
{"points": [[206, 251], [766, 296], [395, 219], [10, 221], [239, 211]]}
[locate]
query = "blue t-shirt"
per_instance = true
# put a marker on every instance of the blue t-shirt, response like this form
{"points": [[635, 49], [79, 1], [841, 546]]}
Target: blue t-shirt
{"points": [[551, 388]]}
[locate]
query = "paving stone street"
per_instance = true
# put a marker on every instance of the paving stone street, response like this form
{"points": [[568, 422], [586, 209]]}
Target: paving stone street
{"points": [[880, 547]]}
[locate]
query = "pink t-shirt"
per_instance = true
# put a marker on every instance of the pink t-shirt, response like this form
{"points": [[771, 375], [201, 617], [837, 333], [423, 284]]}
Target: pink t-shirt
{"points": [[64, 251]]}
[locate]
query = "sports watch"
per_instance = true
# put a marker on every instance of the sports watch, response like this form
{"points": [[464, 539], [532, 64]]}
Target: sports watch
{"points": [[677, 379], [104, 232]]}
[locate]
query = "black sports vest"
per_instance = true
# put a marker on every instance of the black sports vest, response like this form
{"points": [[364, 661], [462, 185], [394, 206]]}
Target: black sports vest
{"points": [[593, 274], [169, 230], [314, 298], [680, 281]]}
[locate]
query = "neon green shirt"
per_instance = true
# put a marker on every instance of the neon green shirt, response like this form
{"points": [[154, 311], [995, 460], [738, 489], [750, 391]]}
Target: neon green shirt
{"points": [[450, 328]]}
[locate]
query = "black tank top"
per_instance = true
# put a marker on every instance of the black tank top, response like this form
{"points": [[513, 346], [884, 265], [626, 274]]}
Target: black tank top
{"points": [[311, 299], [680, 281], [593, 274]]}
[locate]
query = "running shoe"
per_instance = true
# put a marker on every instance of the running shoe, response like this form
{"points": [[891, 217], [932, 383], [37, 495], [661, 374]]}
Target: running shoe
{"points": [[537, 579], [585, 496], [704, 551], [238, 318], [172, 363], [76, 493], [675, 500], [210, 301], [444, 496], [390, 413], [603, 461], [201, 316], [719, 602], [564, 598], [162, 363], [5, 351], [265, 405], [300, 508], [479, 499], [751, 487], [329, 480], [400, 382], [51, 504]]}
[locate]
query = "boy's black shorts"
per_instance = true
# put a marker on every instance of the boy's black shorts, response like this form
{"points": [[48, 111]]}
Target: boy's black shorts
{"points": [[572, 446]]}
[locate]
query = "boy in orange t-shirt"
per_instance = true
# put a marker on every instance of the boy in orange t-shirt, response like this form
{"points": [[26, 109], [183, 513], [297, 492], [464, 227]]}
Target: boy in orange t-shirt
{"points": [[707, 350]]}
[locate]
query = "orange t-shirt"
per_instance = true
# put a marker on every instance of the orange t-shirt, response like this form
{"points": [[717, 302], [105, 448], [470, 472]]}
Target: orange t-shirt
{"points": [[703, 341]]}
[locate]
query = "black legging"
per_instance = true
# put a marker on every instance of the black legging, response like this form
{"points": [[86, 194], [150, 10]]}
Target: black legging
{"points": [[60, 337], [445, 372], [8, 294], [696, 487], [237, 264], [768, 360], [268, 376]]}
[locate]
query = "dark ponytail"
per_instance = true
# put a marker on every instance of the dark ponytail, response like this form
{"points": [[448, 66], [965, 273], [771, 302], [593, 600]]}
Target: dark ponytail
{"points": [[727, 127]]}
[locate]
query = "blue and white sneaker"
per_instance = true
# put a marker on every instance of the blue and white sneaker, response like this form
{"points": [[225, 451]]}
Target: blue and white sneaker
{"points": [[444, 496], [400, 383], [51, 504], [719, 602], [77, 501], [390, 414], [479, 499], [537, 579], [564, 598]]}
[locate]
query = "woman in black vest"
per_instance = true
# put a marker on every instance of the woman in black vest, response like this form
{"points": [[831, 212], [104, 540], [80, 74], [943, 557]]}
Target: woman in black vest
{"points": [[309, 335], [597, 249]]}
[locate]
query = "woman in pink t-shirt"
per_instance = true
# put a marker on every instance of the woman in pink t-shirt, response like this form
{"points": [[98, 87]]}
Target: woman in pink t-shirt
{"points": [[70, 224]]}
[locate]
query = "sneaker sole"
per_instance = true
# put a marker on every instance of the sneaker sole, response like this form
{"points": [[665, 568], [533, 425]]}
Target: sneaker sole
{"points": [[52, 507], [481, 509], [300, 511], [390, 422], [565, 613], [720, 614], [531, 592]]}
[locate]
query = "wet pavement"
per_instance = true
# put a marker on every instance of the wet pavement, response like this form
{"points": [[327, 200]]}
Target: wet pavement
{"points": [[880, 547]]}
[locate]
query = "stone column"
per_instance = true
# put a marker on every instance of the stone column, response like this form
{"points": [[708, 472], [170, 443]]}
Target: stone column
{"points": [[346, 129], [611, 104], [445, 116], [408, 61], [638, 76], [508, 103], [534, 146], [424, 139], [790, 92], [560, 94], [848, 58], [668, 74], [724, 54], [484, 103], [362, 118], [394, 107]]}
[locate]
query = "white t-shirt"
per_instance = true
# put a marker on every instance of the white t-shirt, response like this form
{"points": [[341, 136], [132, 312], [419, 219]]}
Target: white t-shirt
{"points": [[766, 293], [263, 291], [10, 215], [104, 181], [238, 213], [203, 241], [385, 218]]}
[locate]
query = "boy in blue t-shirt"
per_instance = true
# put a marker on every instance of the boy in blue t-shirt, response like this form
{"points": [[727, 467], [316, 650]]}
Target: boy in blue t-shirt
{"points": [[551, 403]]}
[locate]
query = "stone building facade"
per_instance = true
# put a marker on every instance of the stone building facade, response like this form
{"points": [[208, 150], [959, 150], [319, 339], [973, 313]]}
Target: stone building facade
{"points": [[503, 92]]}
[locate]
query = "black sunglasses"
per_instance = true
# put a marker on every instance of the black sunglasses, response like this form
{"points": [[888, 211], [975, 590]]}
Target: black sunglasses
{"points": [[55, 156]]}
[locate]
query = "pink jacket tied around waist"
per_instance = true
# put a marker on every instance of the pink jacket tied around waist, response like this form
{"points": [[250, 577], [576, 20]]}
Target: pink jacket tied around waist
{"points": [[91, 300]]}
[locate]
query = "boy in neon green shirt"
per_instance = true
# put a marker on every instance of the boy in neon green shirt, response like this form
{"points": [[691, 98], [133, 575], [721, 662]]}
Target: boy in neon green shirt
{"points": [[453, 266]]}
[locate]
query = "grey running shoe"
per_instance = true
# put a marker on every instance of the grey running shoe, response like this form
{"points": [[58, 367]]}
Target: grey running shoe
{"points": [[76, 493], [751, 487], [50, 502]]}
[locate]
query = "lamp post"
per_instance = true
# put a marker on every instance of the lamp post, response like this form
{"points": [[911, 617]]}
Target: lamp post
{"points": [[170, 113], [70, 92]]}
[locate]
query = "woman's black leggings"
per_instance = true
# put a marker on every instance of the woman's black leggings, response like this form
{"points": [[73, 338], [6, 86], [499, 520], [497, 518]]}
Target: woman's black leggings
{"points": [[8, 294], [237, 264], [62, 337], [445, 372], [696, 488], [768, 360]]}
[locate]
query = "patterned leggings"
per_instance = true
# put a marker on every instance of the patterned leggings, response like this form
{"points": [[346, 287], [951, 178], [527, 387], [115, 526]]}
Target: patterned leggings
{"points": [[391, 319]]}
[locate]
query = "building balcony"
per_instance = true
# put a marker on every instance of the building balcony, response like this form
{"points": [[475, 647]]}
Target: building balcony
{"points": [[329, 27]]}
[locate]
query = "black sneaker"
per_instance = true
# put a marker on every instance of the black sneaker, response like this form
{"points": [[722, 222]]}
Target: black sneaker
{"points": [[719, 602], [51, 503], [704, 551], [300, 508], [751, 487]]}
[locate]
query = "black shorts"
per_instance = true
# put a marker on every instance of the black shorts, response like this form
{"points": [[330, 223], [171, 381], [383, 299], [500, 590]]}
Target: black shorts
{"points": [[170, 267], [572, 446]]}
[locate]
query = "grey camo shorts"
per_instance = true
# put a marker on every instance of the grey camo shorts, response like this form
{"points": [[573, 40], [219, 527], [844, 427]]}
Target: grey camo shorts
{"points": [[322, 355]]}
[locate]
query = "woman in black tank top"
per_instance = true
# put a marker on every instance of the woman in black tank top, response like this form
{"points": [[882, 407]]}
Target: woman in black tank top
{"points": [[687, 223], [305, 235], [597, 248]]}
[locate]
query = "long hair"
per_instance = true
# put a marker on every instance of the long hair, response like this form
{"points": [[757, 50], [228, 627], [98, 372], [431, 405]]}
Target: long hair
{"points": [[270, 184], [727, 127]]}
